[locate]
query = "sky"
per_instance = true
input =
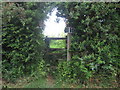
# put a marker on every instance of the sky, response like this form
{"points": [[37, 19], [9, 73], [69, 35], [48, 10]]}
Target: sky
{"points": [[52, 28]]}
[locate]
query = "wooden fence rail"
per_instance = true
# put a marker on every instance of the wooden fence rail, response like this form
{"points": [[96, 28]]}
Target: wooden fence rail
{"points": [[68, 41]]}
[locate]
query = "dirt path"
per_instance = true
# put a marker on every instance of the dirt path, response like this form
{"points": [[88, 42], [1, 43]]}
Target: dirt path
{"points": [[50, 81]]}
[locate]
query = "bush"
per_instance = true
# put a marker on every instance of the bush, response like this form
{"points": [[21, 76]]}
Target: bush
{"points": [[95, 38], [43, 69], [73, 72], [22, 41]]}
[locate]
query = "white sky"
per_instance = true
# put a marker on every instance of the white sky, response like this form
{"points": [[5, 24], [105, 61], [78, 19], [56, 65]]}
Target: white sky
{"points": [[52, 28]]}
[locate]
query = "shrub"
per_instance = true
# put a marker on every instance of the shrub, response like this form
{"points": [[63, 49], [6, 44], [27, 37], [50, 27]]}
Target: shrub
{"points": [[43, 69], [73, 72], [95, 38], [22, 41]]}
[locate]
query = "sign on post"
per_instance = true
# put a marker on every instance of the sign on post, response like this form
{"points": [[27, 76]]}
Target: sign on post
{"points": [[68, 30]]}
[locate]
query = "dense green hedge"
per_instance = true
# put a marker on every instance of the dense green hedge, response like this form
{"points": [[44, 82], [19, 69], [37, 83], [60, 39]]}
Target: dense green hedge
{"points": [[22, 47], [95, 40], [96, 37]]}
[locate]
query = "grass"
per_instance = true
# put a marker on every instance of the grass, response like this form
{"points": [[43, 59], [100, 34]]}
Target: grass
{"points": [[45, 83], [48, 82], [40, 83], [51, 83], [57, 44]]}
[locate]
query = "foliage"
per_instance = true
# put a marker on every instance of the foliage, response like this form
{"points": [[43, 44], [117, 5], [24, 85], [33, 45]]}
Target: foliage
{"points": [[22, 40], [43, 69], [73, 71], [57, 44], [40, 83], [95, 39]]}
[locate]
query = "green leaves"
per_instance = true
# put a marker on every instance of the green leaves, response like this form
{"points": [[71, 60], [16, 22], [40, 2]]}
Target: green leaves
{"points": [[95, 40], [73, 71], [22, 41], [42, 69]]}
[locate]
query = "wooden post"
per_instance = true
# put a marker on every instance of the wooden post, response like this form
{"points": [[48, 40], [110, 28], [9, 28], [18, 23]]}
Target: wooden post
{"points": [[68, 46], [66, 43], [47, 41]]}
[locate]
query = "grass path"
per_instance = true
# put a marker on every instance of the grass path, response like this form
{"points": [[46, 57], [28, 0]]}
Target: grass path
{"points": [[48, 82], [41, 83], [29, 82]]}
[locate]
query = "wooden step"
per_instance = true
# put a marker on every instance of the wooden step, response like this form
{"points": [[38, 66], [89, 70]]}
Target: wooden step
{"points": [[56, 53], [56, 49]]}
